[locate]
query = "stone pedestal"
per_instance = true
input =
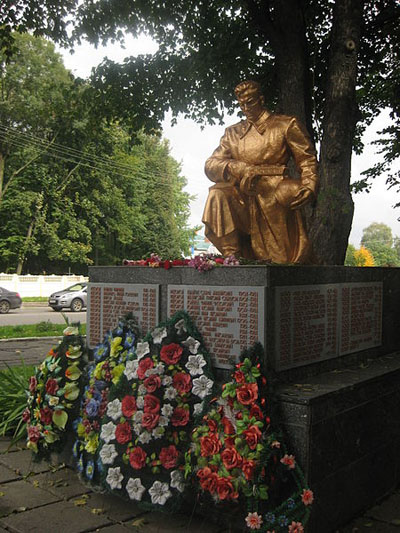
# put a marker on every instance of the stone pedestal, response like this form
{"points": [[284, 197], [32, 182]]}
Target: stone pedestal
{"points": [[331, 333]]}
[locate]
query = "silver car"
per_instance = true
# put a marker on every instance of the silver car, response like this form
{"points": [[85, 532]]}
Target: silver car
{"points": [[74, 297]]}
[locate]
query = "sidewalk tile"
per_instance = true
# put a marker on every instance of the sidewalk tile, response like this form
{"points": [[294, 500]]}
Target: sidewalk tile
{"points": [[368, 525], [56, 517], [63, 482], [22, 462], [115, 528], [7, 475], [388, 510], [115, 508], [19, 494], [175, 523]]}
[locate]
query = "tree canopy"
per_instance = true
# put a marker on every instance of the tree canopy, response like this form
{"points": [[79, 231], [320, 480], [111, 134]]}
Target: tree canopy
{"points": [[75, 189], [333, 64]]}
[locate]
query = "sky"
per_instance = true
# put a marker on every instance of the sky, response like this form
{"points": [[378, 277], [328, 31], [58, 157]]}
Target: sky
{"points": [[191, 145]]}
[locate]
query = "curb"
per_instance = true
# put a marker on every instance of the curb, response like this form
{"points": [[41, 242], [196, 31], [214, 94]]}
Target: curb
{"points": [[35, 304], [21, 339]]}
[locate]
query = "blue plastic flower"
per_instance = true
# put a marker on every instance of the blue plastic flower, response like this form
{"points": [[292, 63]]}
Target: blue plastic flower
{"points": [[283, 520], [92, 407], [89, 470], [79, 464], [291, 503], [75, 449], [100, 384], [75, 423], [101, 352], [270, 518], [99, 464], [129, 340]]}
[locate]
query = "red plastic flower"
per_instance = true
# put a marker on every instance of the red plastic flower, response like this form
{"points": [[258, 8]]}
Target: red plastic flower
{"points": [[225, 489], [210, 445], [231, 458], [307, 497], [51, 386], [252, 436], [150, 420], [46, 416], [152, 383], [208, 479], [247, 393], [32, 383], [151, 404], [128, 406], [123, 433], [144, 365], [182, 382], [254, 520], [180, 416], [169, 456], [171, 353], [26, 415], [167, 264], [228, 426], [33, 433], [256, 411], [248, 466], [137, 458], [239, 377]]}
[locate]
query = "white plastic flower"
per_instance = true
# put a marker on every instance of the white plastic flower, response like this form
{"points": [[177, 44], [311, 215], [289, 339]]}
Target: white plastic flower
{"points": [[198, 407], [140, 402], [163, 421], [53, 400], [142, 390], [158, 335], [177, 481], [195, 364], [114, 478], [167, 409], [158, 432], [114, 409], [159, 493], [135, 489], [170, 393], [108, 453], [166, 380], [137, 417], [191, 344], [137, 428], [160, 368], [202, 386], [180, 326], [144, 437], [108, 432], [142, 349], [131, 369]]}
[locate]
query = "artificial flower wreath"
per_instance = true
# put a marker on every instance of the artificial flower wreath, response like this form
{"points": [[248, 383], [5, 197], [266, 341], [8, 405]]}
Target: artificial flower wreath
{"points": [[108, 365], [163, 390], [54, 394], [237, 457]]}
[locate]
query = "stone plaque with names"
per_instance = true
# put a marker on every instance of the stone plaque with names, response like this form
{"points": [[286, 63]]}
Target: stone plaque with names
{"points": [[107, 302], [319, 322], [230, 319]]}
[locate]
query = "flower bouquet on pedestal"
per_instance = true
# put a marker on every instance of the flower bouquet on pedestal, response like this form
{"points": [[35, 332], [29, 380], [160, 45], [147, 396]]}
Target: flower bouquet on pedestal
{"points": [[54, 395], [241, 463], [164, 388]]}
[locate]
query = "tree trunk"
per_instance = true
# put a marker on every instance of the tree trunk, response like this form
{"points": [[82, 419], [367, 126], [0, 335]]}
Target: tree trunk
{"points": [[331, 222], [2, 168], [25, 248], [293, 73]]}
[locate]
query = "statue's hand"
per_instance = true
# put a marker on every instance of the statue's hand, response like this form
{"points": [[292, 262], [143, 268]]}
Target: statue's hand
{"points": [[249, 180], [303, 197]]}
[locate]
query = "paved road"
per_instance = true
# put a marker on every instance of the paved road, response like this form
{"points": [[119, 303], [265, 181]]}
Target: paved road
{"points": [[32, 352], [33, 315]]}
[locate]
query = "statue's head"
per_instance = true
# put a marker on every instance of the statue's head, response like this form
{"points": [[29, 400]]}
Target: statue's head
{"points": [[250, 98]]}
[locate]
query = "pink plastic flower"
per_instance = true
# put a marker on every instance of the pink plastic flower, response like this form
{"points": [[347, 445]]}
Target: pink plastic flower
{"points": [[296, 527], [307, 497], [253, 520], [289, 461]]}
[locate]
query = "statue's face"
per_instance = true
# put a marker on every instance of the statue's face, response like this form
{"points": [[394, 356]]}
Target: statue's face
{"points": [[252, 104]]}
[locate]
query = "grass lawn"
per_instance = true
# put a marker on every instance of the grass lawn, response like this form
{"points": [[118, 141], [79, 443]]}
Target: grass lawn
{"points": [[35, 299], [42, 329]]}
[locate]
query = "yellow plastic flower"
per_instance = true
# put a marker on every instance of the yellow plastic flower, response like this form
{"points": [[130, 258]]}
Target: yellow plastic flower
{"points": [[92, 444], [115, 346], [80, 430], [98, 369], [116, 373]]}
